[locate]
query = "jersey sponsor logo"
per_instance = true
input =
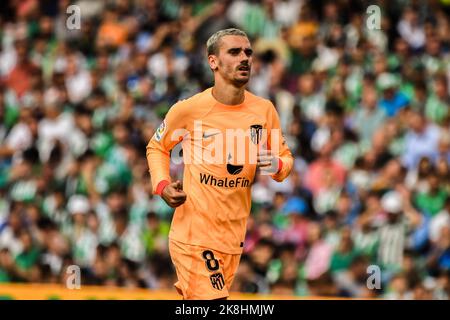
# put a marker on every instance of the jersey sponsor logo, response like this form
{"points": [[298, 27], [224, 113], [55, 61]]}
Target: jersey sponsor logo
{"points": [[233, 169], [160, 131], [256, 133], [217, 281], [209, 179]]}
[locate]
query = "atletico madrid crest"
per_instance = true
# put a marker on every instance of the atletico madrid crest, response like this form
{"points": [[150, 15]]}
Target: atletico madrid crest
{"points": [[256, 133], [217, 281]]}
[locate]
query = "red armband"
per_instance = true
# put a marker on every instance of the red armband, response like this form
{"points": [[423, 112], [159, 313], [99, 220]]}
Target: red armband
{"points": [[161, 185], [280, 165]]}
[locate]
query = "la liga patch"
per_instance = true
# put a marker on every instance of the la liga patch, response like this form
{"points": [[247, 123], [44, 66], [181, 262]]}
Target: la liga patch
{"points": [[160, 131]]}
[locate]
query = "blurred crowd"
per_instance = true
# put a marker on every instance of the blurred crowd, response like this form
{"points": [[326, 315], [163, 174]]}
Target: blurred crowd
{"points": [[365, 111]]}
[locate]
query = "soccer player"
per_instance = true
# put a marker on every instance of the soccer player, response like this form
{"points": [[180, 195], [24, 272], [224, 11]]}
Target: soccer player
{"points": [[213, 203]]}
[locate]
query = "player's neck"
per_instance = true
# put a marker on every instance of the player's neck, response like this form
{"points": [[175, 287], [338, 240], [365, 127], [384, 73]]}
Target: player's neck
{"points": [[228, 94]]}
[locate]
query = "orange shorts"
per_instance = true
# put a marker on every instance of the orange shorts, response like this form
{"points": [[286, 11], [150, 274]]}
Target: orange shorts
{"points": [[203, 273]]}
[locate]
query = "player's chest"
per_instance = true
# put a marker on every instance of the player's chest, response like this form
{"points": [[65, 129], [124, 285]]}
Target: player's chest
{"points": [[229, 127]]}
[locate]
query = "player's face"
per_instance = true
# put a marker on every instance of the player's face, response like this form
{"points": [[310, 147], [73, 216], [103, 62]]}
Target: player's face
{"points": [[234, 60]]}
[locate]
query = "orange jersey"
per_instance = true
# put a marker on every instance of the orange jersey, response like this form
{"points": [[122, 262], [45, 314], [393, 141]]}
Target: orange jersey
{"points": [[217, 174]]}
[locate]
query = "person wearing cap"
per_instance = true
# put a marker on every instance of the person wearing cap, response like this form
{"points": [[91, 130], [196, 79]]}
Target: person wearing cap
{"points": [[392, 100], [401, 220], [83, 241], [295, 210]]}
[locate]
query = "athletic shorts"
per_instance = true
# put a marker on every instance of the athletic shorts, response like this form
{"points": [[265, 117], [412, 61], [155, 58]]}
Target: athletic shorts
{"points": [[203, 273]]}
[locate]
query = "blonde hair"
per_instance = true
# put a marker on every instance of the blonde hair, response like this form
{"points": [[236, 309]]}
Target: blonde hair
{"points": [[212, 45]]}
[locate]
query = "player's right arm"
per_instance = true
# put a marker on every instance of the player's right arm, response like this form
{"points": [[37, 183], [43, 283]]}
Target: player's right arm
{"points": [[168, 134]]}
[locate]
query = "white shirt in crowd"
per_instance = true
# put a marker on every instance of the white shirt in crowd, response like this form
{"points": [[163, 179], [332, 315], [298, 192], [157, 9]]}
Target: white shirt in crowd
{"points": [[50, 130], [438, 222]]}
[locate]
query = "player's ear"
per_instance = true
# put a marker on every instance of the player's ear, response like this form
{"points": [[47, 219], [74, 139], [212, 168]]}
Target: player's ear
{"points": [[213, 63]]}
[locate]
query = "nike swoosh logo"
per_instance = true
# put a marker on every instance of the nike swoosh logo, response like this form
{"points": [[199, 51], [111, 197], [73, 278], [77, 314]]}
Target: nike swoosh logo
{"points": [[205, 136]]}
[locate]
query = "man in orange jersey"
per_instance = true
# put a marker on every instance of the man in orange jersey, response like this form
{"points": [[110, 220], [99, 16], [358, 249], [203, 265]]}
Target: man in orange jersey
{"points": [[213, 203]]}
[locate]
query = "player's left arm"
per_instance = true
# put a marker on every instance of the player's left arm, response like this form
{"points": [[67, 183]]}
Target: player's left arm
{"points": [[278, 147]]}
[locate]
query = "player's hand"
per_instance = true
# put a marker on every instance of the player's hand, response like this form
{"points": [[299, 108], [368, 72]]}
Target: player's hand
{"points": [[267, 161], [173, 194], [264, 159]]}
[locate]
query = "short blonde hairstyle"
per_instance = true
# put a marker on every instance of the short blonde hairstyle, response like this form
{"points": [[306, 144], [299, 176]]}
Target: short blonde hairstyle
{"points": [[212, 45]]}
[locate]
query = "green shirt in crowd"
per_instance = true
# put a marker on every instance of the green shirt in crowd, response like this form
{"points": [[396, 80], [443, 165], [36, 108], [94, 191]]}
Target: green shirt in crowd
{"points": [[4, 277], [341, 261], [27, 259], [431, 203], [436, 110]]}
